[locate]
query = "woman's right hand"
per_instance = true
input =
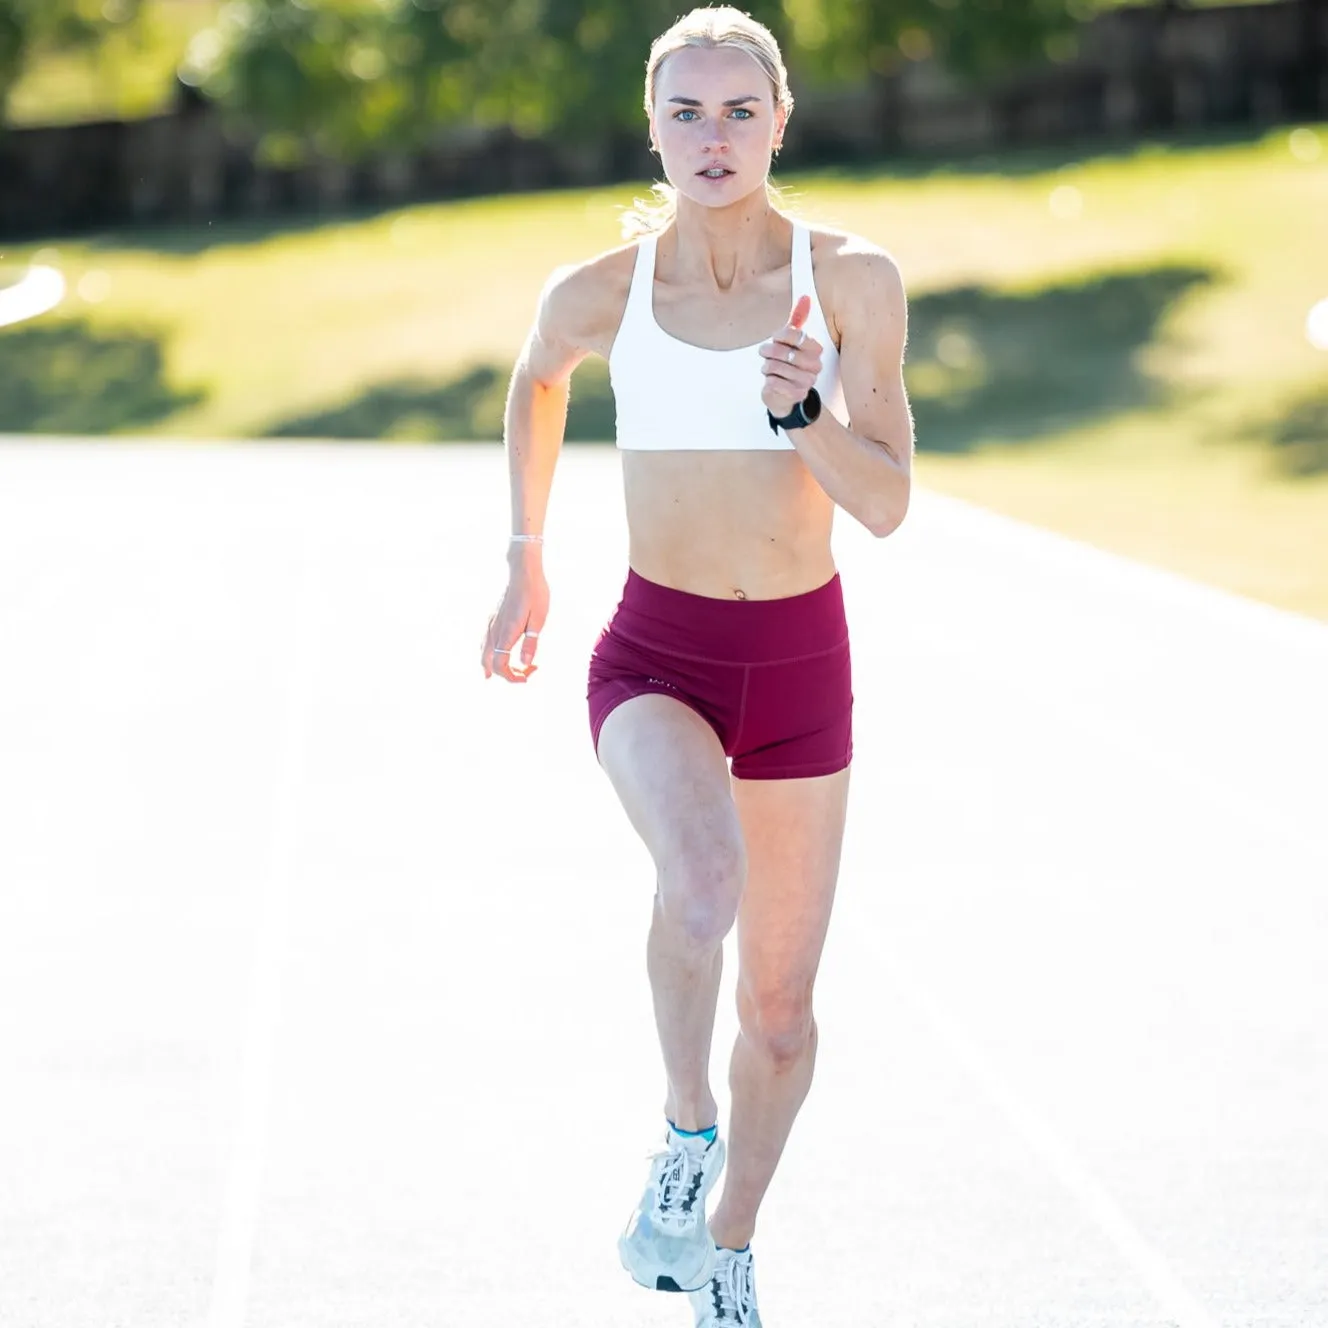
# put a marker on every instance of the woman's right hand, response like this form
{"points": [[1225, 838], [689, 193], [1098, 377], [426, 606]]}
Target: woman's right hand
{"points": [[519, 618]]}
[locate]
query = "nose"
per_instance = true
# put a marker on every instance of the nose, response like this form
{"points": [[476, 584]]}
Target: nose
{"points": [[714, 140]]}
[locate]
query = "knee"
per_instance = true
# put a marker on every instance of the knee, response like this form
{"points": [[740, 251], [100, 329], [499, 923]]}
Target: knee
{"points": [[777, 1021], [700, 888]]}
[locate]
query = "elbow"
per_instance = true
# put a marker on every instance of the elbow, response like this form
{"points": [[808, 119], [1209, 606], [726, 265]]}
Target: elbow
{"points": [[885, 527], [889, 515]]}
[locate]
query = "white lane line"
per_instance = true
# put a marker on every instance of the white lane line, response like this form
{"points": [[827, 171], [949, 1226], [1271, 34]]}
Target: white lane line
{"points": [[244, 1180], [37, 292], [1037, 1132]]}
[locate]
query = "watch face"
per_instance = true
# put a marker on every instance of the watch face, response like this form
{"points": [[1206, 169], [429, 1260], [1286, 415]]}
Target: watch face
{"points": [[811, 406]]}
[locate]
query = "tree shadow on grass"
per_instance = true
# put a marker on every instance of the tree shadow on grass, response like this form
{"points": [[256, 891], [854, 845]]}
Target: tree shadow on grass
{"points": [[988, 366], [1298, 436], [190, 238], [468, 408], [67, 377], [983, 366], [1036, 159]]}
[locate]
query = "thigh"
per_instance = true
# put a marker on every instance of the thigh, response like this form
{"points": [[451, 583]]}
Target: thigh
{"points": [[793, 829], [671, 775], [798, 721]]}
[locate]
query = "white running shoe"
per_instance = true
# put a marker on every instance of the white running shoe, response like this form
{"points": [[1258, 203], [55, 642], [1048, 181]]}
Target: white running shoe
{"points": [[667, 1245], [729, 1301]]}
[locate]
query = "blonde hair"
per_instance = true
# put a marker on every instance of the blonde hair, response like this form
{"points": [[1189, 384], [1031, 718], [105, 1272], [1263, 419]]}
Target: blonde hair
{"points": [[712, 29]]}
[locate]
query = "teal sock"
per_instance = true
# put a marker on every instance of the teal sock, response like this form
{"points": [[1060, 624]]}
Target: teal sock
{"points": [[707, 1135]]}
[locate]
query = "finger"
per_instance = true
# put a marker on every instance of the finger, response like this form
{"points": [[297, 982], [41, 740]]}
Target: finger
{"points": [[503, 638], [515, 661], [508, 654], [805, 374], [793, 389], [796, 339], [789, 352], [793, 351], [502, 664], [785, 387], [486, 650], [529, 644]]}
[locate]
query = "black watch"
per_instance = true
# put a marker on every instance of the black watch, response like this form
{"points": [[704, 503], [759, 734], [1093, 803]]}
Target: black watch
{"points": [[806, 412]]}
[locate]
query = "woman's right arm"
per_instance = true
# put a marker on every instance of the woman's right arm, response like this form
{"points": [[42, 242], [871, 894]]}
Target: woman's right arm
{"points": [[576, 318]]}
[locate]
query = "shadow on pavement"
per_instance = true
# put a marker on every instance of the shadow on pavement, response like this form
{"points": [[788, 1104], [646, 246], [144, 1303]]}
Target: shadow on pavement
{"points": [[68, 378]]}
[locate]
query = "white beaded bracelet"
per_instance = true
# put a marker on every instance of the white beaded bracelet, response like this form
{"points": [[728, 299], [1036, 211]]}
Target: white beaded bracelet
{"points": [[528, 539]]}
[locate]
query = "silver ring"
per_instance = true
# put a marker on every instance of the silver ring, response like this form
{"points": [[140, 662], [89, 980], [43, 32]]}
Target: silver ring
{"points": [[532, 635], [791, 354], [501, 652]]}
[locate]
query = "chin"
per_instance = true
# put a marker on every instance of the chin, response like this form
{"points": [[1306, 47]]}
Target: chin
{"points": [[733, 190]]}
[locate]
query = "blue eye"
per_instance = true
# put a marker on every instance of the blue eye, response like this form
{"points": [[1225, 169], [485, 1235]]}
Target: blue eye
{"points": [[682, 113], [742, 111]]}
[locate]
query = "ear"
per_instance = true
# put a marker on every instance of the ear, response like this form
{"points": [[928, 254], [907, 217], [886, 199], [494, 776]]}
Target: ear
{"points": [[781, 119]]}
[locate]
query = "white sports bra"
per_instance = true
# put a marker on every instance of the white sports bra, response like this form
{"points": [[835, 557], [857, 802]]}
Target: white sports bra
{"points": [[673, 396]]}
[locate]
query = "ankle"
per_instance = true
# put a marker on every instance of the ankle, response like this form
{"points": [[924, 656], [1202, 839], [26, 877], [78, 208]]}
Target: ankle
{"points": [[730, 1235], [691, 1116]]}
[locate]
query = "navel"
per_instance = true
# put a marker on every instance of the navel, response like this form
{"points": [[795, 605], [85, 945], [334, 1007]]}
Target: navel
{"points": [[740, 594]]}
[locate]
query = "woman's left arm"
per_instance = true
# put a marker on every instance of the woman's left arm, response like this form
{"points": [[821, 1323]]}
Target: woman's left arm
{"points": [[865, 468]]}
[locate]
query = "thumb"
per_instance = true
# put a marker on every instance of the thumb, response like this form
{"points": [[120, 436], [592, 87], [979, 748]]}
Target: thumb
{"points": [[802, 306]]}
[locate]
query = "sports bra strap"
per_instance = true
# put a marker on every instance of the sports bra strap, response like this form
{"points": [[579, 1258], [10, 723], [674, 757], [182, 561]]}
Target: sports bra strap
{"points": [[641, 293], [732, 418]]}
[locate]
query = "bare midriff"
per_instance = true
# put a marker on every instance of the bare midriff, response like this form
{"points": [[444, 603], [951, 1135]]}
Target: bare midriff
{"points": [[729, 525]]}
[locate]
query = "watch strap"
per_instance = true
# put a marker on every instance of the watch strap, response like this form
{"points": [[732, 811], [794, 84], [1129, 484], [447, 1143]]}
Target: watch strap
{"points": [[797, 418]]}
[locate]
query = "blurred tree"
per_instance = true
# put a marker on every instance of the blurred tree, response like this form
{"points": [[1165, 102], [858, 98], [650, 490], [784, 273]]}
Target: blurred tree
{"points": [[32, 27], [344, 76], [974, 39]]}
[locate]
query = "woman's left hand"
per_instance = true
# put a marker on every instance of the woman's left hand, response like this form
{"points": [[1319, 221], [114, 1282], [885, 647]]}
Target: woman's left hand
{"points": [[791, 362]]}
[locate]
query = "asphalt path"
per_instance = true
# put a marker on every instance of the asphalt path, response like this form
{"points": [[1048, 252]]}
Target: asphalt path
{"points": [[322, 989]]}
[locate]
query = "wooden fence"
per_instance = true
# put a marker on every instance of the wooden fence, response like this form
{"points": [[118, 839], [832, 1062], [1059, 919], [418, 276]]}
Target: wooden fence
{"points": [[1137, 70]]}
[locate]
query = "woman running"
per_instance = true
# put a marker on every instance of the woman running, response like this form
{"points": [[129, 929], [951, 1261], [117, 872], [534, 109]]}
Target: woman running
{"points": [[757, 369]]}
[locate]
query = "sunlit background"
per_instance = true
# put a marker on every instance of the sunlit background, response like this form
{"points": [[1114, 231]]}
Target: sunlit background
{"points": [[322, 996], [331, 218]]}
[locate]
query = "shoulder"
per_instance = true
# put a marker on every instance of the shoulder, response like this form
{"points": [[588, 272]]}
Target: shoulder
{"points": [[581, 304], [861, 288], [856, 279]]}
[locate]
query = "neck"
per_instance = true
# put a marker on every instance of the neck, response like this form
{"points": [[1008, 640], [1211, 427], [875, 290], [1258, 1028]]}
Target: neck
{"points": [[727, 245]]}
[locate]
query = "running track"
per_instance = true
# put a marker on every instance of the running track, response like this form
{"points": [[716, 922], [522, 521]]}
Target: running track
{"points": [[322, 996]]}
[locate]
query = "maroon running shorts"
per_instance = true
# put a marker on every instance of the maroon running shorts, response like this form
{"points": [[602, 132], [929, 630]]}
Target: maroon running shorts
{"points": [[770, 676]]}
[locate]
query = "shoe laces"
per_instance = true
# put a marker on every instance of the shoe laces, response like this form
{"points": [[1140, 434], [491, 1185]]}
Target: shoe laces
{"points": [[732, 1290], [679, 1173]]}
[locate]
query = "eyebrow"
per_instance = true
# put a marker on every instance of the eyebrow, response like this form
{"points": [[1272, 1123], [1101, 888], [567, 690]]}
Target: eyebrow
{"points": [[732, 101]]}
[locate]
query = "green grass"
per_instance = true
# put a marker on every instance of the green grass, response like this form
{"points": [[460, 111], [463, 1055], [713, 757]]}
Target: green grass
{"points": [[128, 76], [1112, 347]]}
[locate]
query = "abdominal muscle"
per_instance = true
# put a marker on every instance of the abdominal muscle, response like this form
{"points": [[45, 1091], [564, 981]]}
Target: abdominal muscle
{"points": [[729, 525]]}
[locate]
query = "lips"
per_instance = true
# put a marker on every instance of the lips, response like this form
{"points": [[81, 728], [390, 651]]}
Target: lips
{"points": [[718, 172]]}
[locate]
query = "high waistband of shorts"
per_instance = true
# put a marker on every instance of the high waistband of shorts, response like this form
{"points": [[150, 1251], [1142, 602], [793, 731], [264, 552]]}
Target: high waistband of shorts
{"points": [[732, 631]]}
